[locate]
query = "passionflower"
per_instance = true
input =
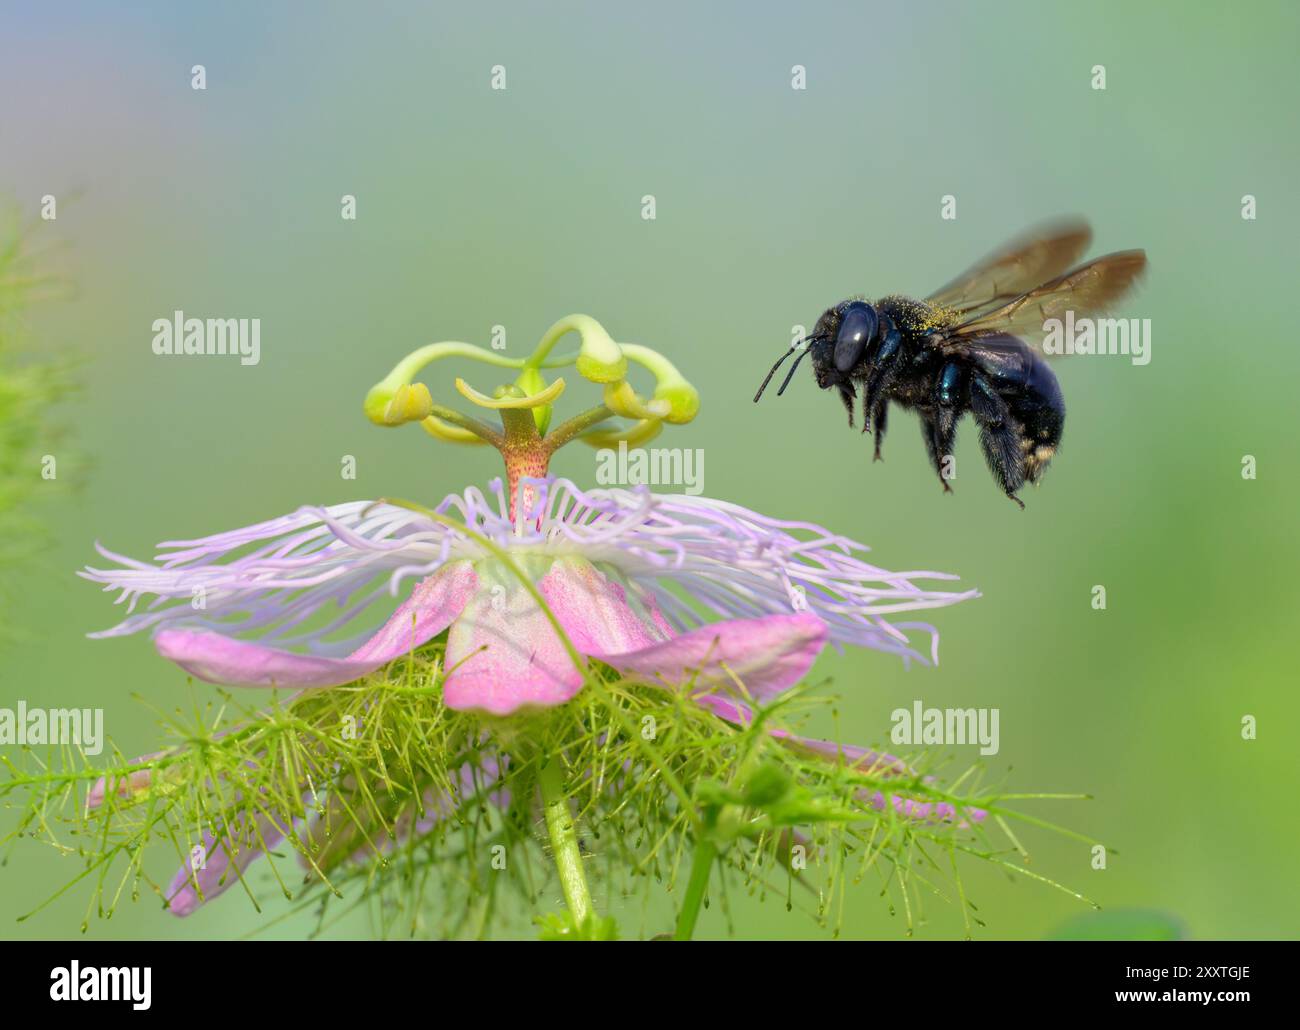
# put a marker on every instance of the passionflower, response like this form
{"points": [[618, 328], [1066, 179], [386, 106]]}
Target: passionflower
{"points": [[615, 567], [518, 599]]}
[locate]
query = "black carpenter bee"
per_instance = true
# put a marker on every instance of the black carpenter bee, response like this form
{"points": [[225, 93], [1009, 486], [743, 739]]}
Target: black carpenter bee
{"points": [[971, 346]]}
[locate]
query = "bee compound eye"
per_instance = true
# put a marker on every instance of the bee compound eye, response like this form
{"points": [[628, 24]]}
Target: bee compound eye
{"points": [[857, 328]]}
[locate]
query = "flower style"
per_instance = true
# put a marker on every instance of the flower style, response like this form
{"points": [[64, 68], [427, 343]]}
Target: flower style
{"points": [[531, 583]]}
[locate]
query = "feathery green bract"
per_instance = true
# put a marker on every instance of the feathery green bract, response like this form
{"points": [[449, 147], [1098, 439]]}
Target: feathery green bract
{"points": [[651, 777]]}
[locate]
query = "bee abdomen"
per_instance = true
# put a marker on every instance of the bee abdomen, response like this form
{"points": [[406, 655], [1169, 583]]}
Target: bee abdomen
{"points": [[1040, 409]]}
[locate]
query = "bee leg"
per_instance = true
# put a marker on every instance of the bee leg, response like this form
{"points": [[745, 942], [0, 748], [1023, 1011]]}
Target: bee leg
{"points": [[881, 373], [880, 421], [1000, 437], [875, 390], [847, 397], [950, 390], [938, 447]]}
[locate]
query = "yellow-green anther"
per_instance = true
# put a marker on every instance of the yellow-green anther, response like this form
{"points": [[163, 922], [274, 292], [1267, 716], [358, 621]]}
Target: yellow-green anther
{"points": [[441, 430], [504, 398], [408, 403], [621, 399], [600, 359], [634, 435], [600, 364], [671, 387]]}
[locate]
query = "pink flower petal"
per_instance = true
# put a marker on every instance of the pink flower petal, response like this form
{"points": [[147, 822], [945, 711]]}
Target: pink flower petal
{"points": [[124, 786], [767, 654], [216, 871], [217, 658], [331, 830], [873, 763], [594, 611], [432, 607], [927, 811], [503, 654]]}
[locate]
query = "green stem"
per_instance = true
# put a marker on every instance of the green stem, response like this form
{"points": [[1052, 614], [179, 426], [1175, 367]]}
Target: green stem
{"points": [[520, 428], [567, 431], [563, 361], [478, 428], [728, 825], [701, 867], [583, 325], [564, 842], [410, 366]]}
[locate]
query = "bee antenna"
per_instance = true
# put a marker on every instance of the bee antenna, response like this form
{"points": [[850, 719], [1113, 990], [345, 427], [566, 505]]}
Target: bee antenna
{"points": [[768, 378], [790, 375]]}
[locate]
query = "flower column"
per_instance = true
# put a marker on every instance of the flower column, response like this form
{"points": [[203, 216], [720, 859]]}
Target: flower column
{"points": [[524, 406]]}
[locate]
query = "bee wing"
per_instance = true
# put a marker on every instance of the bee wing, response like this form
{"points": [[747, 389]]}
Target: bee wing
{"points": [[1039, 255], [1090, 289]]}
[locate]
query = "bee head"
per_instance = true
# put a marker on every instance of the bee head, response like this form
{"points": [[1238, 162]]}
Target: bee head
{"points": [[822, 351], [842, 337], [837, 343]]}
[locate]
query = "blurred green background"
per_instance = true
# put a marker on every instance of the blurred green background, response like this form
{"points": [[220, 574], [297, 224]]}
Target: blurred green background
{"points": [[478, 208]]}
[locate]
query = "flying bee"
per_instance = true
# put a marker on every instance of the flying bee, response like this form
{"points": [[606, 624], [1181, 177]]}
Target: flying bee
{"points": [[973, 346]]}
